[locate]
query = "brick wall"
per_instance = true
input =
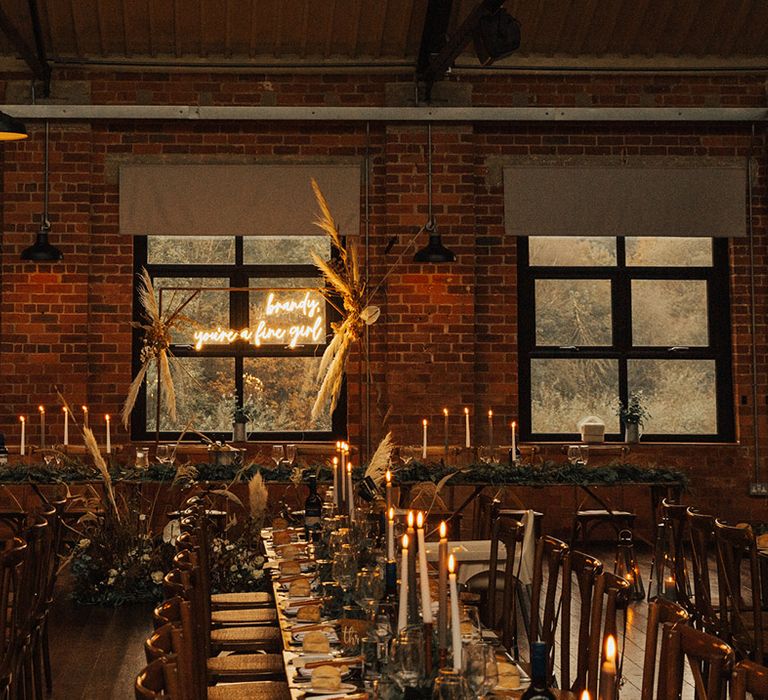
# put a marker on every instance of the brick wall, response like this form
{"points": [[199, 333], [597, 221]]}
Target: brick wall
{"points": [[447, 337]]}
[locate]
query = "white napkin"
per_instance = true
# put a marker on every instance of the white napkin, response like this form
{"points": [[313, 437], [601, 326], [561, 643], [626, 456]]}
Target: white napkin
{"points": [[528, 553]]}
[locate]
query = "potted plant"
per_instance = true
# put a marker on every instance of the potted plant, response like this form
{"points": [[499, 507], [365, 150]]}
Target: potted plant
{"points": [[633, 415], [240, 418]]}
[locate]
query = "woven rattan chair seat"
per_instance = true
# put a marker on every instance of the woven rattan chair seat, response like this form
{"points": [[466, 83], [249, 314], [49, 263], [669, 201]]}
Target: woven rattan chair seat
{"points": [[241, 599], [247, 664], [244, 616], [258, 690]]}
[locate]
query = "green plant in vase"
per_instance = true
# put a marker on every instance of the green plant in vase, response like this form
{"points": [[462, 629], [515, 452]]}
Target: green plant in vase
{"points": [[633, 415], [240, 418]]}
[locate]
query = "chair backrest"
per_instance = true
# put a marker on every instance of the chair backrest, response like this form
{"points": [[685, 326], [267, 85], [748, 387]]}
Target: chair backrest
{"points": [[675, 518], [158, 680], [710, 661], [12, 561], [701, 529], [585, 569], [740, 598], [167, 611], [482, 525], [545, 604], [749, 677], [509, 533], [660, 612]]}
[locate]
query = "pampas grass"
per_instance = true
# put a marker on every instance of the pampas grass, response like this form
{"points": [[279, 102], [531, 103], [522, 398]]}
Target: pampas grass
{"points": [[377, 467], [93, 447], [257, 498]]}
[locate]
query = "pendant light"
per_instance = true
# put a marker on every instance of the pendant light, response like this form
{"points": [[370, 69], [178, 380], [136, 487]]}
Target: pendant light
{"points": [[42, 250], [434, 251], [11, 129]]}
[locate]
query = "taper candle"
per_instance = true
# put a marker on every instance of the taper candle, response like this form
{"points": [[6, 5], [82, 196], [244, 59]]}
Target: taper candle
{"points": [[413, 597], [402, 612], [85, 416], [585, 695], [445, 429], [455, 620], [514, 440], [109, 436], [350, 494], [467, 440], [42, 425], [22, 444], [391, 534], [490, 427], [343, 472], [335, 469], [388, 479], [424, 442], [442, 588], [426, 601], [66, 426], [608, 670]]}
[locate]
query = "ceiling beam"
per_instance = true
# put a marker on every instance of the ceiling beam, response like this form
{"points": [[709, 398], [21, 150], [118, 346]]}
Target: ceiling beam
{"points": [[33, 56], [434, 33]]}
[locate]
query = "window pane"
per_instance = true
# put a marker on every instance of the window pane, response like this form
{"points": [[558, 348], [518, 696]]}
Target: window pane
{"points": [[208, 310], [669, 252], [287, 318], [570, 251], [573, 312], [680, 394], [190, 250], [272, 250], [669, 312], [205, 394], [565, 391], [280, 392]]}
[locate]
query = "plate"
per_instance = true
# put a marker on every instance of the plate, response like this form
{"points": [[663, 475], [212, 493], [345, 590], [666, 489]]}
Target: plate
{"points": [[343, 689]]}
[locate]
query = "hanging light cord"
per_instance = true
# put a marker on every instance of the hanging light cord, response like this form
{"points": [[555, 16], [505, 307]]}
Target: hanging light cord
{"points": [[753, 312], [430, 226], [46, 225]]}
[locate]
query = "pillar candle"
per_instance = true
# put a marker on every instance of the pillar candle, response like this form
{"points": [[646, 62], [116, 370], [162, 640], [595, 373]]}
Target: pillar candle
{"points": [[85, 416], [608, 671], [109, 437], [467, 440], [42, 425], [402, 613], [424, 442], [490, 427], [455, 620], [413, 599], [442, 588], [350, 493], [66, 426], [445, 428], [336, 481], [391, 534], [426, 601], [23, 448], [514, 440]]}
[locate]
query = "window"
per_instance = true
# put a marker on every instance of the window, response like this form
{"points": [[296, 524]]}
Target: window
{"points": [[615, 315], [274, 381]]}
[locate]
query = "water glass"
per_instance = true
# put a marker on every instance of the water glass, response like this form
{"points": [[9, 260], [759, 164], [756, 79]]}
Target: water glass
{"points": [[345, 566], [479, 668], [408, 657], [449, 685], [574, 454], [470, 624], [278, 454]]}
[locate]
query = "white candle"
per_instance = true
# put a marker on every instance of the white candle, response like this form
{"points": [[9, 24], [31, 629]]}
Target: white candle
{"points": [[424, 442], [402, 613], [391, 534], [350, 493], [514, 440], [490, 427], [467, 441], [42, 425], [607, 689], [109, 437], [66, 426], [442, 588], [23, 449], [445, 428], [388, 479], [455, 621], [426, 602], [343, 472], [336, 481], [85, 415], [585, 695]]}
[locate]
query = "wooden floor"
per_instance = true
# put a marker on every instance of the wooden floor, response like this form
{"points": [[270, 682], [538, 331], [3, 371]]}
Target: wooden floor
{"points": [[96, 652]]}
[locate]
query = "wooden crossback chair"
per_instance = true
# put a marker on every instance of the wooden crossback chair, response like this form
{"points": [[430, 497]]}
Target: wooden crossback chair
{"points": [[749, 677], [158, 679], [660, 612], [706, 614]]}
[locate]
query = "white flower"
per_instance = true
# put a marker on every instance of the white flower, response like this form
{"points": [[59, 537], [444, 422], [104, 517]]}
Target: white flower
{"points": [[230, 547], [112, 573], [233, 568], [145, 557], [258, 561], [84, 543], [157, 577], [259, 573]]}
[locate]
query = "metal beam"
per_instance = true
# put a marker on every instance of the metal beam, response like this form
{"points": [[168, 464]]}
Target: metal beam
{"points": [[389, 114], [39, 68], [434, 33]]}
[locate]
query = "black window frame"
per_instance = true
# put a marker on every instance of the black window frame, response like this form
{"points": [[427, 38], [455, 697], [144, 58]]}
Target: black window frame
{"points": [[620, 276], [238, 275]]}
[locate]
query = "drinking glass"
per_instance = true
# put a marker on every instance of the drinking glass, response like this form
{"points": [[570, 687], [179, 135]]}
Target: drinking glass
{"points": [[382, 632], [345, 567], [470, 623], [449, 685], [574, 454], [584, 454], [278, 454], [479, 668], [164, 454], [290, 454], [408, 655], [369, 589], [491, 670]]}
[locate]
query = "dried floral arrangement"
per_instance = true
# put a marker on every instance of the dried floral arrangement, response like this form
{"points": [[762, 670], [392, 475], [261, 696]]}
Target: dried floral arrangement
{"points": [[344, 282]]}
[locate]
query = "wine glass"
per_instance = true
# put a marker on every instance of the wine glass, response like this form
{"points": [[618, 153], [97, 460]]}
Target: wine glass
{"points": [[491, 670], [164, 454], [290, 454], [382, 631], [369, 590], [473, 666], [574, 454], [584, 454], [470, 623], [449, 685], [345, 567], [408, 655], [278, 454]]}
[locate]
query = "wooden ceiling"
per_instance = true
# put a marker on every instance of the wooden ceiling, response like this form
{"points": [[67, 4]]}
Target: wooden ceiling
{"points": [[556, 34]]}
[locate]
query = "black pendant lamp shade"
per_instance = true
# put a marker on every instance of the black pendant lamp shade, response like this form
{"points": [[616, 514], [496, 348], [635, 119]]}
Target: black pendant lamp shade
{"points": [[434, 251], [11, 129], [41, 250]]}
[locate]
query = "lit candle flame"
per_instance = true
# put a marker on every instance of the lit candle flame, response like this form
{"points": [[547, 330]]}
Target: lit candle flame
{"points": [[349, 467], [610, 648], [64, 409], [424, 422], [490, 413], [335, 461], [338, 444], [514, 423], [451, 563], [22, 419], [85, 409], [585, 696], [106, 417], [410, 518], [391, 513], [388, 476], [41, 409], [443, 530], [420, 520], [445, 411], [466, 410], [405, 541]]}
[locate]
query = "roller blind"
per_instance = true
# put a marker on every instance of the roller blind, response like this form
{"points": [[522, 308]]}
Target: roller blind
{"points": [[227, 200], [550, 200]]}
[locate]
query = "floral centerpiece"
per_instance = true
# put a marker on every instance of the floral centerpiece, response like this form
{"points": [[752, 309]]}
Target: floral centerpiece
{"points": [[633, 415]]}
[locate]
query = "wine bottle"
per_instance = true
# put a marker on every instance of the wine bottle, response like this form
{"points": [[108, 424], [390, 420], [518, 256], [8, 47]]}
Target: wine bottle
{"points": [[539, 687], [313, 510]]}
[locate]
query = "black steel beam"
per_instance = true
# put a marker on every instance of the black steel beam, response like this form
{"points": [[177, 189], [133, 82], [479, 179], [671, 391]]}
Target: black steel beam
{"points": [[33, 56]]}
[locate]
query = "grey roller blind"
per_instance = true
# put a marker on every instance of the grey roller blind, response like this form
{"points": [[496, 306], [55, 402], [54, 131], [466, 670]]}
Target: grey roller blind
{"points": [[550, 200], [227, 200]]}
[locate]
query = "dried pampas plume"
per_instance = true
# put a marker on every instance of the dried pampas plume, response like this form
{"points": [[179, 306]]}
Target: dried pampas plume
{"points": [[377, 467], [257, 498], [101, 465]]}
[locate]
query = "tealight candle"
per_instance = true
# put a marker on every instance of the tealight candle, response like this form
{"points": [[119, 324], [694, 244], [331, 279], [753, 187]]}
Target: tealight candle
{"points": [[455, 620], [42, 425], [109, 437], [426, 602], [424, 442], [467, 440], [66, 426], [22, 444], [402, 613]]}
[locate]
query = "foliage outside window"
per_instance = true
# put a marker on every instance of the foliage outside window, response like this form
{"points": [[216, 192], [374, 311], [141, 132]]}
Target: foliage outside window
{"points": [[613, 316], [274, 383]]}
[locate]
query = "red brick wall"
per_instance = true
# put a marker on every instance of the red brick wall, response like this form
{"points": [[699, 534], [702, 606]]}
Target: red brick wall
{"points": [[447, 337]]}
